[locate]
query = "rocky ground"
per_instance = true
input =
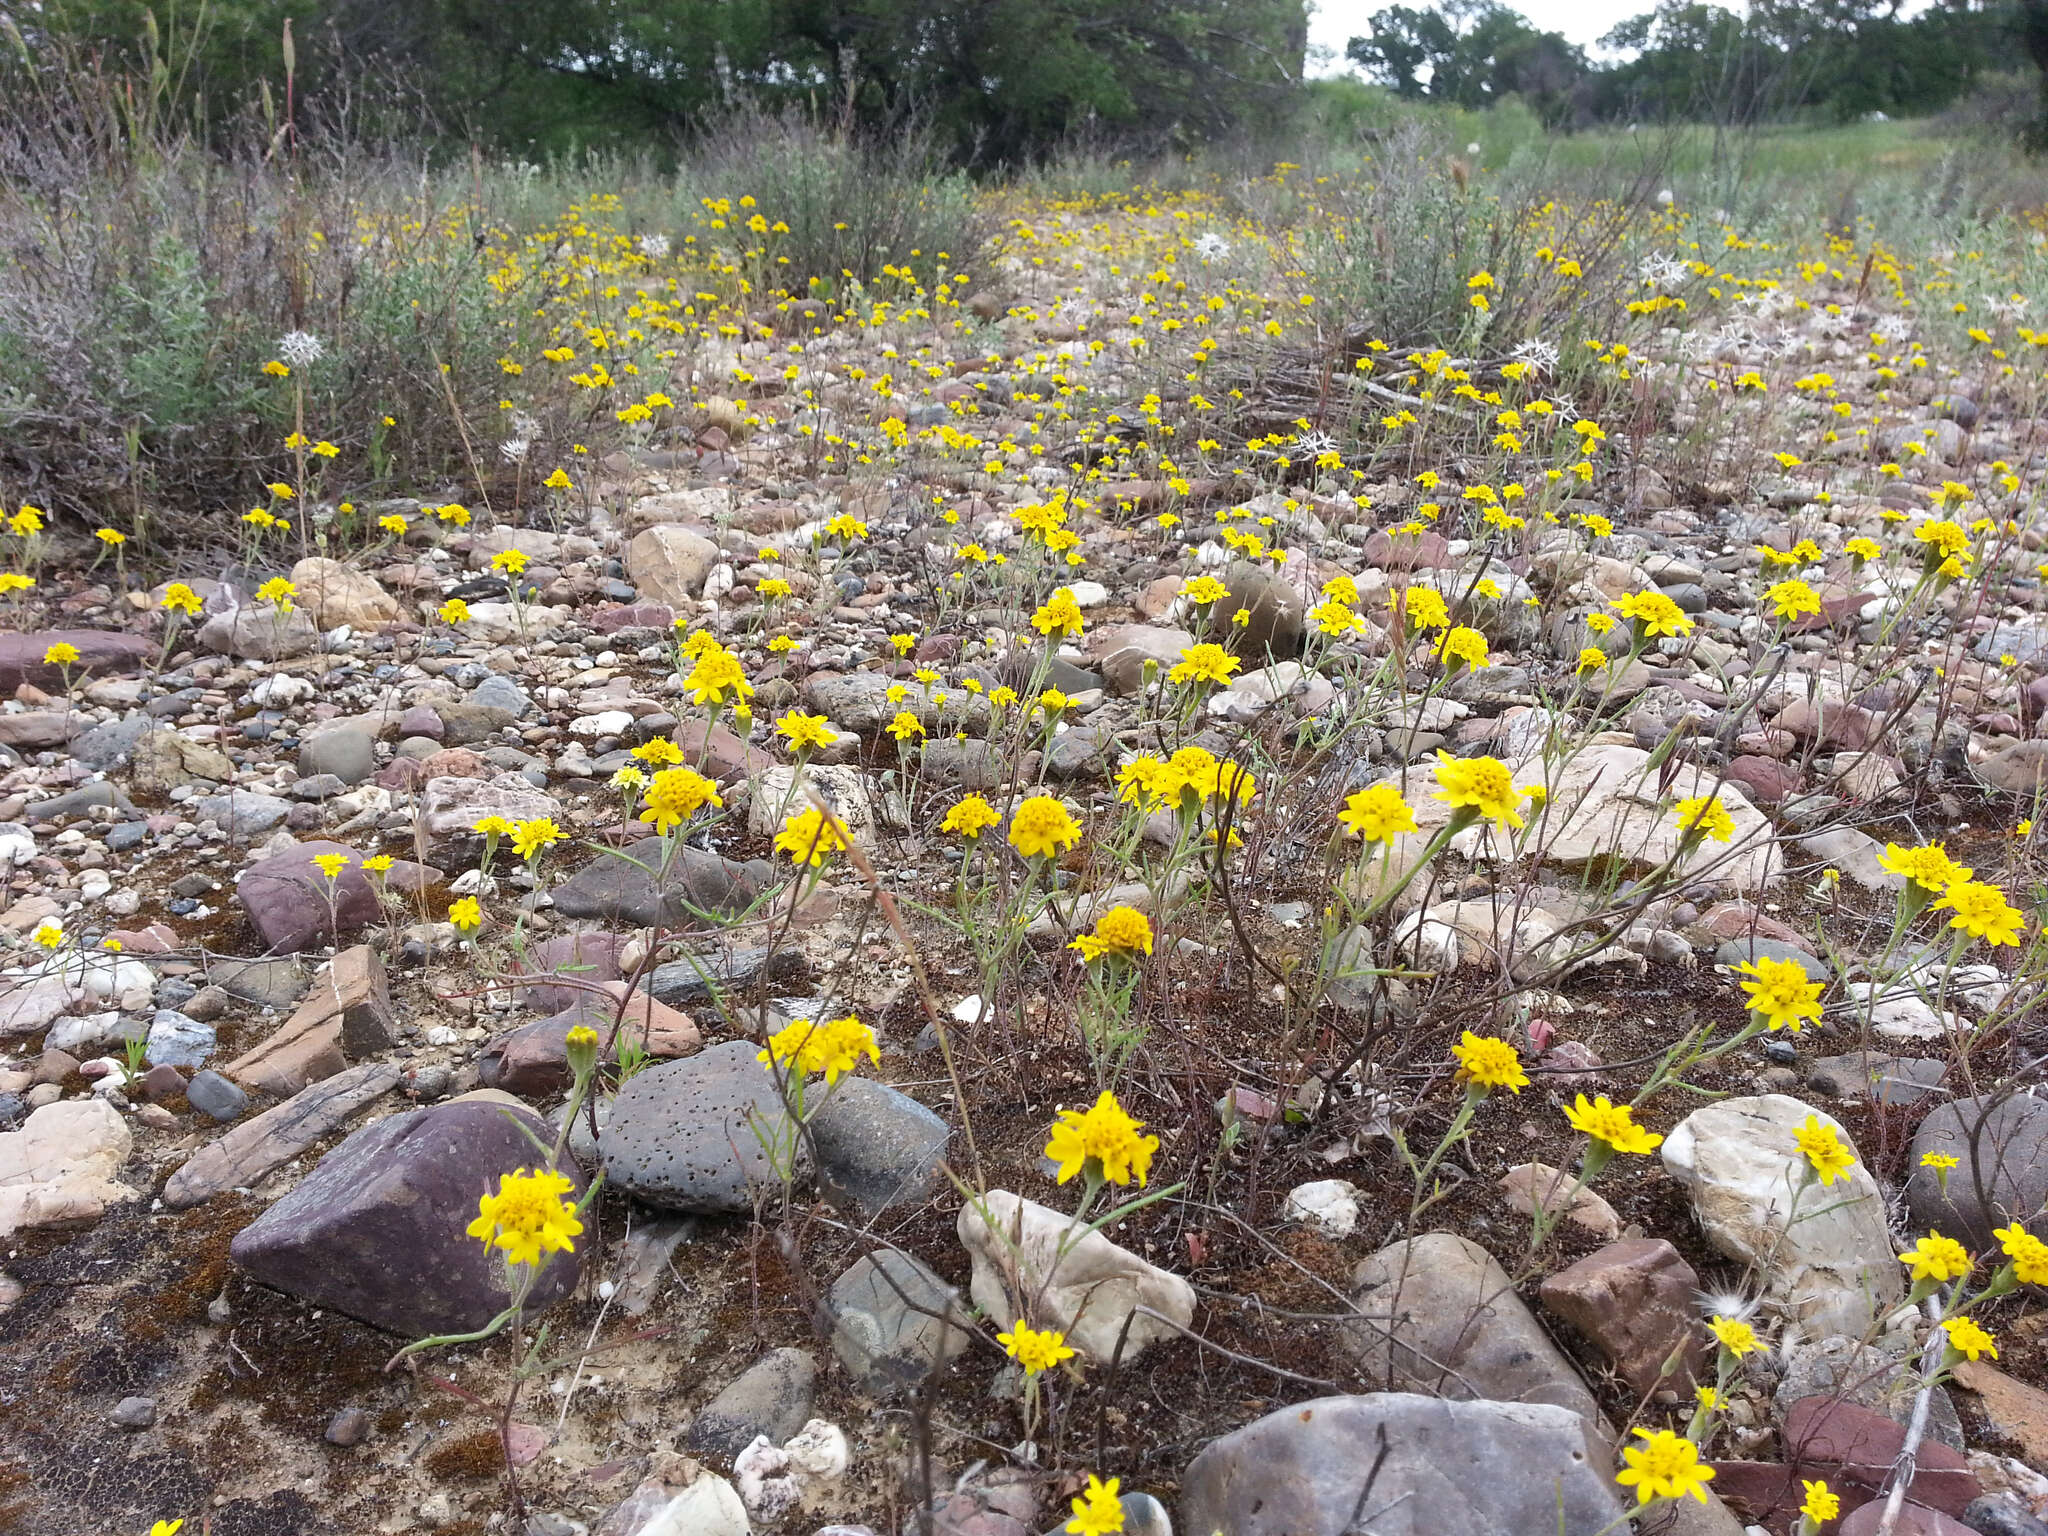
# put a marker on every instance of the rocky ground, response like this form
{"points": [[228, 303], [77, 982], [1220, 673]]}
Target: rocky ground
{"points": [[215, 1239]]}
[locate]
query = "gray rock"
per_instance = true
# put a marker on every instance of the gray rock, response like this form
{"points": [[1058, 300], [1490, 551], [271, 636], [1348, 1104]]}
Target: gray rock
{"points": [[272, 1139], [211, 1094], [2003, 1175], [1991, 1514], [1437, 1314], [689, 1135], [502, 693], [2024, 642], [126, 836], [697, 979], [1896, 1080], [1083, 752], [2018, 770], [165, 760], [178, 1041], [79, 801], [1747, 949], [1867, 1376], [893, 1321], [134, 1413], [110, 743], [1477, 1468], [876, 1146], [468, 722], [350, 755], [1277, 615], [268, 983], [242, 813], [260, 633], [350, 1426], [771, 1397], [377, 1230], [610, 889]]}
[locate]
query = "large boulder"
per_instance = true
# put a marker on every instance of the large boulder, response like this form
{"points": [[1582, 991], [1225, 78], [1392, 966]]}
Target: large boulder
{"points": [[379, 1229], [1072, 1279], [99, 651], [1437, 1314], [1397, 1464], [1825, 1253]]}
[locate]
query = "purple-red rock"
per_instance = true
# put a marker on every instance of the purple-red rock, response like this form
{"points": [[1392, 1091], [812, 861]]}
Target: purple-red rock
{"points": [[609, 621], [99, 650], [290, 903], [420, 720], [534, 1059], [1634, 1301], [378, 1229], [1767, 780], [583, 960]]}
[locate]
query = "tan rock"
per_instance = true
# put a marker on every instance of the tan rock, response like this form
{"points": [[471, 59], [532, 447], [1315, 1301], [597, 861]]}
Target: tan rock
{"points": [[337, 593], [2017, 1411], [347, 1014], [59, 1169]]}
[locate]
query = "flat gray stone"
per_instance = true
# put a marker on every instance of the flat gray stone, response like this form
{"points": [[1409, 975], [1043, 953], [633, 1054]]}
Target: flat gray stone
{"points": [[1747, 949], [350, 755], [876, 1146], [177, 1041], [698, 978], [259, 1146], [771, 1397], [2003, 1144], [893, 1321], [242, 813]]}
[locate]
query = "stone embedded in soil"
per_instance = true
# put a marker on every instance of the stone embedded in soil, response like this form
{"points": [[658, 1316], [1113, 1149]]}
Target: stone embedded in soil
{"points": [[2003, 1145], [621, 887], [689, 1135], [877, 1147], [581, 961], [451, 807], [2017, 1411], [1862, 1447], [345, 1016], [1825, 1253], [1883, 1378], [61, 1168], [534, 1058], [260, 633], [772, 1397], [1530, 1185], [1634, 1301], [1746, 951], [1330, 1206], [1437, 1314], [1404, 1465], [168, 760], [258, 1147], [176, 1041], [668, 563], [1893, 1080], [678, 1498], [782, 792], [893, 1321], [1074, 1280], [377, 1229], [294, 907], [696, 978], [214, 1096]]}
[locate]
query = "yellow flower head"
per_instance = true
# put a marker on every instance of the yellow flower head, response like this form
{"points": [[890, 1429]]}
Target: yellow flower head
{"points": [[716, 677], [1419, 608], [62, 654], [529, 838], [331, 864], [1930, 867], [1058, 614], [1098, 1511], [1655, 614], [970, 817], [905, 726], [1042, 828], [2028, 1253], [1034, 1349], [1462, 645], [278, 593], [1705, 816], [466, 915], [831, 1049], [1790, 599], [1982, 912], [1377, 813], [659, 749], [454, 611], [1613, 1124], [1821, 1504], [528, 1216], [1481, 783], [48, 934], [1665, 1466], [1734, 1335], [509, 562], [1204, 590], [1489, 1063], [1967, 1339], [1102, 1132], [1936, 1257], [1780, 994], [1823, 1150], [674, 795], [1121, 931], [806, 732], [1205, 663], [809, 838]]}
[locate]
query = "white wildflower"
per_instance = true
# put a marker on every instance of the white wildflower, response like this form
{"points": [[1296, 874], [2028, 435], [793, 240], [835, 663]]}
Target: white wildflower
{"points": [[654, 247], [300, 349], [1211, 246]]}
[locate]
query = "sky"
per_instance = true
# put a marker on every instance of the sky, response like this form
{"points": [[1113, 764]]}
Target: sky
{"points": [[1333, 23]]}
